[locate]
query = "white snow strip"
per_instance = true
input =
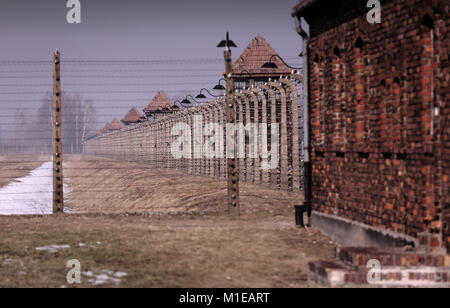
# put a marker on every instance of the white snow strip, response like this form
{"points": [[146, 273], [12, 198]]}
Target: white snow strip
{"points": [[52, 248], [29, 195], [104, 277]]}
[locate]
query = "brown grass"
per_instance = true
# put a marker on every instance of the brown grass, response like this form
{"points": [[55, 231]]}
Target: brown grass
{"points": [[16, 166], [107, 186], [191, 251], [164, 229]]}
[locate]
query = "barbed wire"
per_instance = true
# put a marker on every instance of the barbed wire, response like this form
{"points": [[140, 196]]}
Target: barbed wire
{"points": [[90, 92], [114, 62], [109, 84], [115, 76], [96, 100], [114, 70]]}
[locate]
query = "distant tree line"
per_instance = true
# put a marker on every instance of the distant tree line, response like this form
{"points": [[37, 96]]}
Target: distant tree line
{"points": [[30, 131]]}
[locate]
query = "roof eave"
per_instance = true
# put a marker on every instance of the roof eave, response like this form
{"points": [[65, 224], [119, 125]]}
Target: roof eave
{"points": [[300, 8]]}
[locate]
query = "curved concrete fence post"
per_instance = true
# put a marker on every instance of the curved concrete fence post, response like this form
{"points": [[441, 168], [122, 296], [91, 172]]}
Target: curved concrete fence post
{"points": [[294, 97], [185, 133], [209, 158], [145, 145], [204, 160], [167, 141], [158, 144], [219, 139], [163, 143], [195, 148], [190, 159], [126, 147], [111, 147], [144, 142], [223, 113], [137, 144], [241, 136], [130, 146], [154, 143], [247, 122], [272, 100], [195, 141], [173, 162], [254, 137], [135, 131], [222, 156], [284, 178], [213, 159], [262, 135], [212, 171], [150, 140]]}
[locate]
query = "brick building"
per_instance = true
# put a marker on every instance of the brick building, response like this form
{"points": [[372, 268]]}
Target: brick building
{"points": [[160, 106], [115, 125], [133, 117], [248, 69], [380, 114]]}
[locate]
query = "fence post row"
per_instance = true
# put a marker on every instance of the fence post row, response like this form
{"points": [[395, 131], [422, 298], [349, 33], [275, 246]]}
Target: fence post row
{"points": [[58, 183], [275, 102]]}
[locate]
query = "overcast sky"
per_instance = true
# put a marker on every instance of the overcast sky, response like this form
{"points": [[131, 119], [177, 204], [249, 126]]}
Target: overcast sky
{"points": [[143, 30]]}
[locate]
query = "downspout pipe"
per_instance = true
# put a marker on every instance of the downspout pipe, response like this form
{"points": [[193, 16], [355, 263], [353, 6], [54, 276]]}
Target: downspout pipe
{"points": [[307, 165]]}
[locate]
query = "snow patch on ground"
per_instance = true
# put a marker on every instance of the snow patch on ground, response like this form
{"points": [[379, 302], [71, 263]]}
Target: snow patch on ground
{"points": [[104, 277], [52, 248], [90, 245], [30, 195]]}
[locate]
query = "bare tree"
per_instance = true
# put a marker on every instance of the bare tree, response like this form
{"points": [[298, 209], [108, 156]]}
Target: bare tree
{"points": [[35, 135], [78, 122]]}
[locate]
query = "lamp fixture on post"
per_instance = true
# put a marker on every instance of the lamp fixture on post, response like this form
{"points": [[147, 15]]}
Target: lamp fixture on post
{"points": [[220, 87], [186, 101], [227, 43], [273, 65], [202, 96]]}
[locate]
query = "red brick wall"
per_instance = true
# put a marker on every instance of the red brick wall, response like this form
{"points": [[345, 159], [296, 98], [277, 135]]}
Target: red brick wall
{"points": [[443, 94], [380, 149]]}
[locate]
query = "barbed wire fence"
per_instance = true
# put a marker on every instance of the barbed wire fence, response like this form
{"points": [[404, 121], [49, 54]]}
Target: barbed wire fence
{"points": [[96, 92]]}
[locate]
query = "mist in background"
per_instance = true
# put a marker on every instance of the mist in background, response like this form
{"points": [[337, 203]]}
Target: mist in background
{"points": [[127, 30]]}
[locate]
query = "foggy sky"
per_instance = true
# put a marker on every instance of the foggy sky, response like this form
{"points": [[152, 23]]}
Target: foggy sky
{"points": [[144, 30]]}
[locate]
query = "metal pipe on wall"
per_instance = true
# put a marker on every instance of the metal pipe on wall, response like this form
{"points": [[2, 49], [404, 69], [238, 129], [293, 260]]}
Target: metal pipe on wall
{"points": [[307, 165]]}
